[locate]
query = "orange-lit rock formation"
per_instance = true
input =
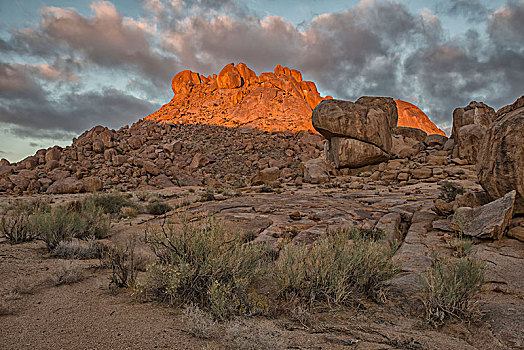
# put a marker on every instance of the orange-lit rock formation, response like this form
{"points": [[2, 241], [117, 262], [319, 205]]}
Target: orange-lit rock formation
{"points": [[273, 101], [411, 116]]}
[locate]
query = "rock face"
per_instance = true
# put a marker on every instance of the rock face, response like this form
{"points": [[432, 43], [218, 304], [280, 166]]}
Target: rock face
{"points": [[358, 133], [500, 166], [411, 116], [273, 101], [489, 221], [469, 127]]}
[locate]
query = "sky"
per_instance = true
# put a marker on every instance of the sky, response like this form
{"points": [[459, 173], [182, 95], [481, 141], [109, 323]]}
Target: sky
{"points": [[68, 65]]}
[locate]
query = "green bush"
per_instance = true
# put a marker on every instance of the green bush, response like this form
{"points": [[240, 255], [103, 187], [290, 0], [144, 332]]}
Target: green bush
{"points": [[110, 203], [449, 288], [123, 264], [15, 223], [207, 266], [63, 223], [158, 208], [450, 190], [336, 268]]}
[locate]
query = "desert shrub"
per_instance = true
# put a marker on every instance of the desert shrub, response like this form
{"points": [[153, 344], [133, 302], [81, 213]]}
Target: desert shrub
{"points": [[374, 234], [449, 191], [110, 203], [67, 273], [15, 226], [77, 250], [158, 208], [208, 266], [63, 223], [449, 288], [201, 324], [95, 224], [123, 264], [260, 336], [335, 269], [208, 195], [129, 212], [302, 315], [22, 286], [15, 223]]}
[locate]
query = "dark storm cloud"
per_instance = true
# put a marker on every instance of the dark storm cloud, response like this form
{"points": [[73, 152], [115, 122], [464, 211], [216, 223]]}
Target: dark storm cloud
{"points": [[30, 112]]}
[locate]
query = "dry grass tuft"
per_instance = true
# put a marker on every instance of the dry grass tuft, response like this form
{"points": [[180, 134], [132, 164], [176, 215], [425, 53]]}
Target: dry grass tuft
{"points": [[201, 324], [68, 273]]}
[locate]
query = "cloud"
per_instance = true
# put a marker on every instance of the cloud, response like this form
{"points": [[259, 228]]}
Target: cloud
{"points": [[31, 112], [373, 48], [472, 10]]}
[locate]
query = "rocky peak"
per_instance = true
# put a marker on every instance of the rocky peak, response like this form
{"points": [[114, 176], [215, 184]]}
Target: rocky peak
{"points": [[272, 101]]}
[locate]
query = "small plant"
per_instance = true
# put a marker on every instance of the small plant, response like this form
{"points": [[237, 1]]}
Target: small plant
{"points": [[77, 250], [15, 226], [121, 260], [335, 269], [374, 234], [158, 208], [303, 316], [208, 195], [128, 212], [60, 224], [22, 286], [201, 324], [68, 273], [208, 266], [110, 203], [450, 190], [449, 288]]}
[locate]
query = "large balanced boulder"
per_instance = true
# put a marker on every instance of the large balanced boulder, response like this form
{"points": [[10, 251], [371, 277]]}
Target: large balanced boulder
{"points": [[500, 166], [358, 133], [469, 126]]}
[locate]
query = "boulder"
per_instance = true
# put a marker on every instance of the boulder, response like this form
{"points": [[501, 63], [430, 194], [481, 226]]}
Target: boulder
{"points": [[229, 78], [469, 127], [266, 176], [161, 181], [390, 224], [66, 186], [150, 168], [184, 80], [412, 133], [370, 122], [53, 154], [316, 171], [351, 153], [435, 140], [500, 166], [98, 146], [488, 221], [135, 141], [92, 184]]}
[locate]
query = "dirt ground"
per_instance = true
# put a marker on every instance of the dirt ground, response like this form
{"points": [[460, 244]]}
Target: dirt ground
{"points": [[90, 315]]}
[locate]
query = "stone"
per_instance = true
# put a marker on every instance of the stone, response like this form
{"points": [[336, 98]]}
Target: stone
{"points": [[421, 173], [161, 181], [412, 133], [442, 207], [516, 233], [469, 139], [119, 159], [475, 113], [435, 140], [184, 80], [350, 153], [265, 176], [316, 171], [135, 142], [364, 122], [229, 77], [98, 146], [53, 154], [150, 168], [66, 186], [500, 166], [295, 215], [92, 184], [390, 224], [489, 221]]}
